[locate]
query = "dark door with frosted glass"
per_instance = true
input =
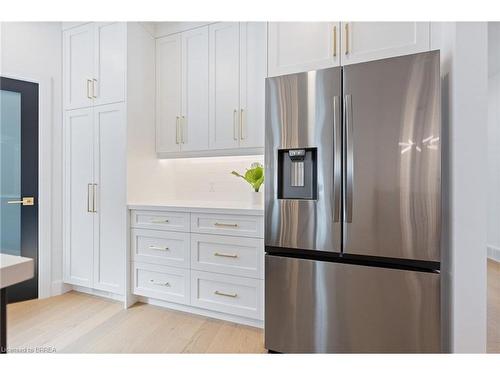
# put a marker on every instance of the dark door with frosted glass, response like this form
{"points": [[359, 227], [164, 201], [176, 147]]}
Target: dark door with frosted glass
{"points": [[19, 178]]}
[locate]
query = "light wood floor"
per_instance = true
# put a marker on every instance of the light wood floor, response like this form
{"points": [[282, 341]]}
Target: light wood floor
{"points": [[493, 307], [79, 323]]}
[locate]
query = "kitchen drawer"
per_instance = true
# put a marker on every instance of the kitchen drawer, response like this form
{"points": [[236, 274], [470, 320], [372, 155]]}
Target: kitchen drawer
{"points": [[237, 256], [228, 294], [235, 225], [161, 282], [160, 247], [167, 220]]}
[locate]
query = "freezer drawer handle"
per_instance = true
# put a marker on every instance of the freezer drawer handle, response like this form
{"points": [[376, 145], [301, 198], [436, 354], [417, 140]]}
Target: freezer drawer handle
{"points": [[225, 255], [166, 283], [153, 247], [226, 225], [232, 295]]}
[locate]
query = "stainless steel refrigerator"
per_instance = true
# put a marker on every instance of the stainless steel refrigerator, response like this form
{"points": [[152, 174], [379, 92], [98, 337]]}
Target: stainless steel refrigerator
{"points": [[353, 208]]}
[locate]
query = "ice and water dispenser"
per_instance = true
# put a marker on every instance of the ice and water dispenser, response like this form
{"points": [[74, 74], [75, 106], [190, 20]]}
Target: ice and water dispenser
{"points": [[297, 169]]}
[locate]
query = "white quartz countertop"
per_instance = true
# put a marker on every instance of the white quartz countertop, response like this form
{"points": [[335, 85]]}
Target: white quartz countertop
{"points": [[14, 269], [200, 206]]}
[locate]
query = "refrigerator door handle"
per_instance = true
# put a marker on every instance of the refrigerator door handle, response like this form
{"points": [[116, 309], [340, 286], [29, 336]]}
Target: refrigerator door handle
{"points": [[337, 167], [348, 158]]}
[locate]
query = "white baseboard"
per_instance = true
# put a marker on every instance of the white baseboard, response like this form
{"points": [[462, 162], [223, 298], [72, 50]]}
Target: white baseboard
{"points": [[494, 253], [98, 293], [203, 312], [58, 287]]}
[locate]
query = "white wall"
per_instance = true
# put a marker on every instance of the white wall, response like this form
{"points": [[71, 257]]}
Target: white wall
{"points": [[464, 109], [494, 140], [32, 51]]}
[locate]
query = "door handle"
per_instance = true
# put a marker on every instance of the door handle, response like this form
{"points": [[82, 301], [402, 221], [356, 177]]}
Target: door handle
{"points": [[25, 201], [348, 159], [346, 38], [89, 194], [94, 84], [94, 197], [241, 123], [337, 176], [177, 118], [88, 88], [235, 111], [182, 123]]}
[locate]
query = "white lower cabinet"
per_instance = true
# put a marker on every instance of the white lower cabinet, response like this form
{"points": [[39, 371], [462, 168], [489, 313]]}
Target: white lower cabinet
{"points": [[95, 197], [162, 282], [211, 263]]}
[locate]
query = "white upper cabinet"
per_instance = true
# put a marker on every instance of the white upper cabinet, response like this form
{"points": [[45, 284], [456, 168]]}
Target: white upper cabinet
{"points": [[110, 43], [168, 93], [78, 66], [365, 41], [302, 46], [94, 63], [194, 119], [253, 72], [224, 85]]}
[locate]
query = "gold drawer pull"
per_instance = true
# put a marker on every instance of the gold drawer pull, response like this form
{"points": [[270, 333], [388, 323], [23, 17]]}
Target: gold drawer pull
{"points": [[153, 247], [226, 225], [159, 221], [159, 283], [217, 254], [232, 295]]}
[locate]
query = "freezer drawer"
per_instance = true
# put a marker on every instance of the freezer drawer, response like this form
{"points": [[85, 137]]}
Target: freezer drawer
{"points": [[325, 307]]}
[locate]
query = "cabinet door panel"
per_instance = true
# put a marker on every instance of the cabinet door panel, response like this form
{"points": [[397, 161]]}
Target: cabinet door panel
{"points": [[253, 71], [78, 60], [168, 93], [78, 175], [110, 178], [365, 41], [110, 62], [302, 46], [194, 123], [224, 85]]}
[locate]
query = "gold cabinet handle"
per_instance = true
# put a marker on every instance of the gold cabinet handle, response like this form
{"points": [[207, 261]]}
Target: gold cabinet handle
{"points": [[177, 118], [153, 247], [183, 125], [159, 221], [94, 197], [346, 38], [154, 282], [241, 123], [224, 255], [226, 225], [232, 295], [94, 84], [89, 81], [25, 201], [89, 194], [334, 41], [235, 111]]}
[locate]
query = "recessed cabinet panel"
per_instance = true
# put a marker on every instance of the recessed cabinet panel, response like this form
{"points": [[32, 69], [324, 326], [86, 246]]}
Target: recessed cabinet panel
{"points": [[78, 176], [194, 120], [224, 85], [168, 93], [302, 46], [110, 197], [365, 41], [78, 67], [110, 62]]}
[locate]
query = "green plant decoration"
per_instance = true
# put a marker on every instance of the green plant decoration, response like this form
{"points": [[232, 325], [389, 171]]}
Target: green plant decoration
{"points": [[254, 176]]}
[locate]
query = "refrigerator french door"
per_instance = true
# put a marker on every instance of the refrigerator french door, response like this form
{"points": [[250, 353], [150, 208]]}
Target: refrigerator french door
{"points": [[353, 208]]}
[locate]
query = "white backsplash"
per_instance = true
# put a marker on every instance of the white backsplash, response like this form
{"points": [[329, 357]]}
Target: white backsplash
{"points": [[199, 179]]}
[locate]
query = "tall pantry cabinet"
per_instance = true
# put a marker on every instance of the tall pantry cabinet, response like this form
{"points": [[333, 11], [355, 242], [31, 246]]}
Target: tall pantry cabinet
{"points": [[95, 70]]}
